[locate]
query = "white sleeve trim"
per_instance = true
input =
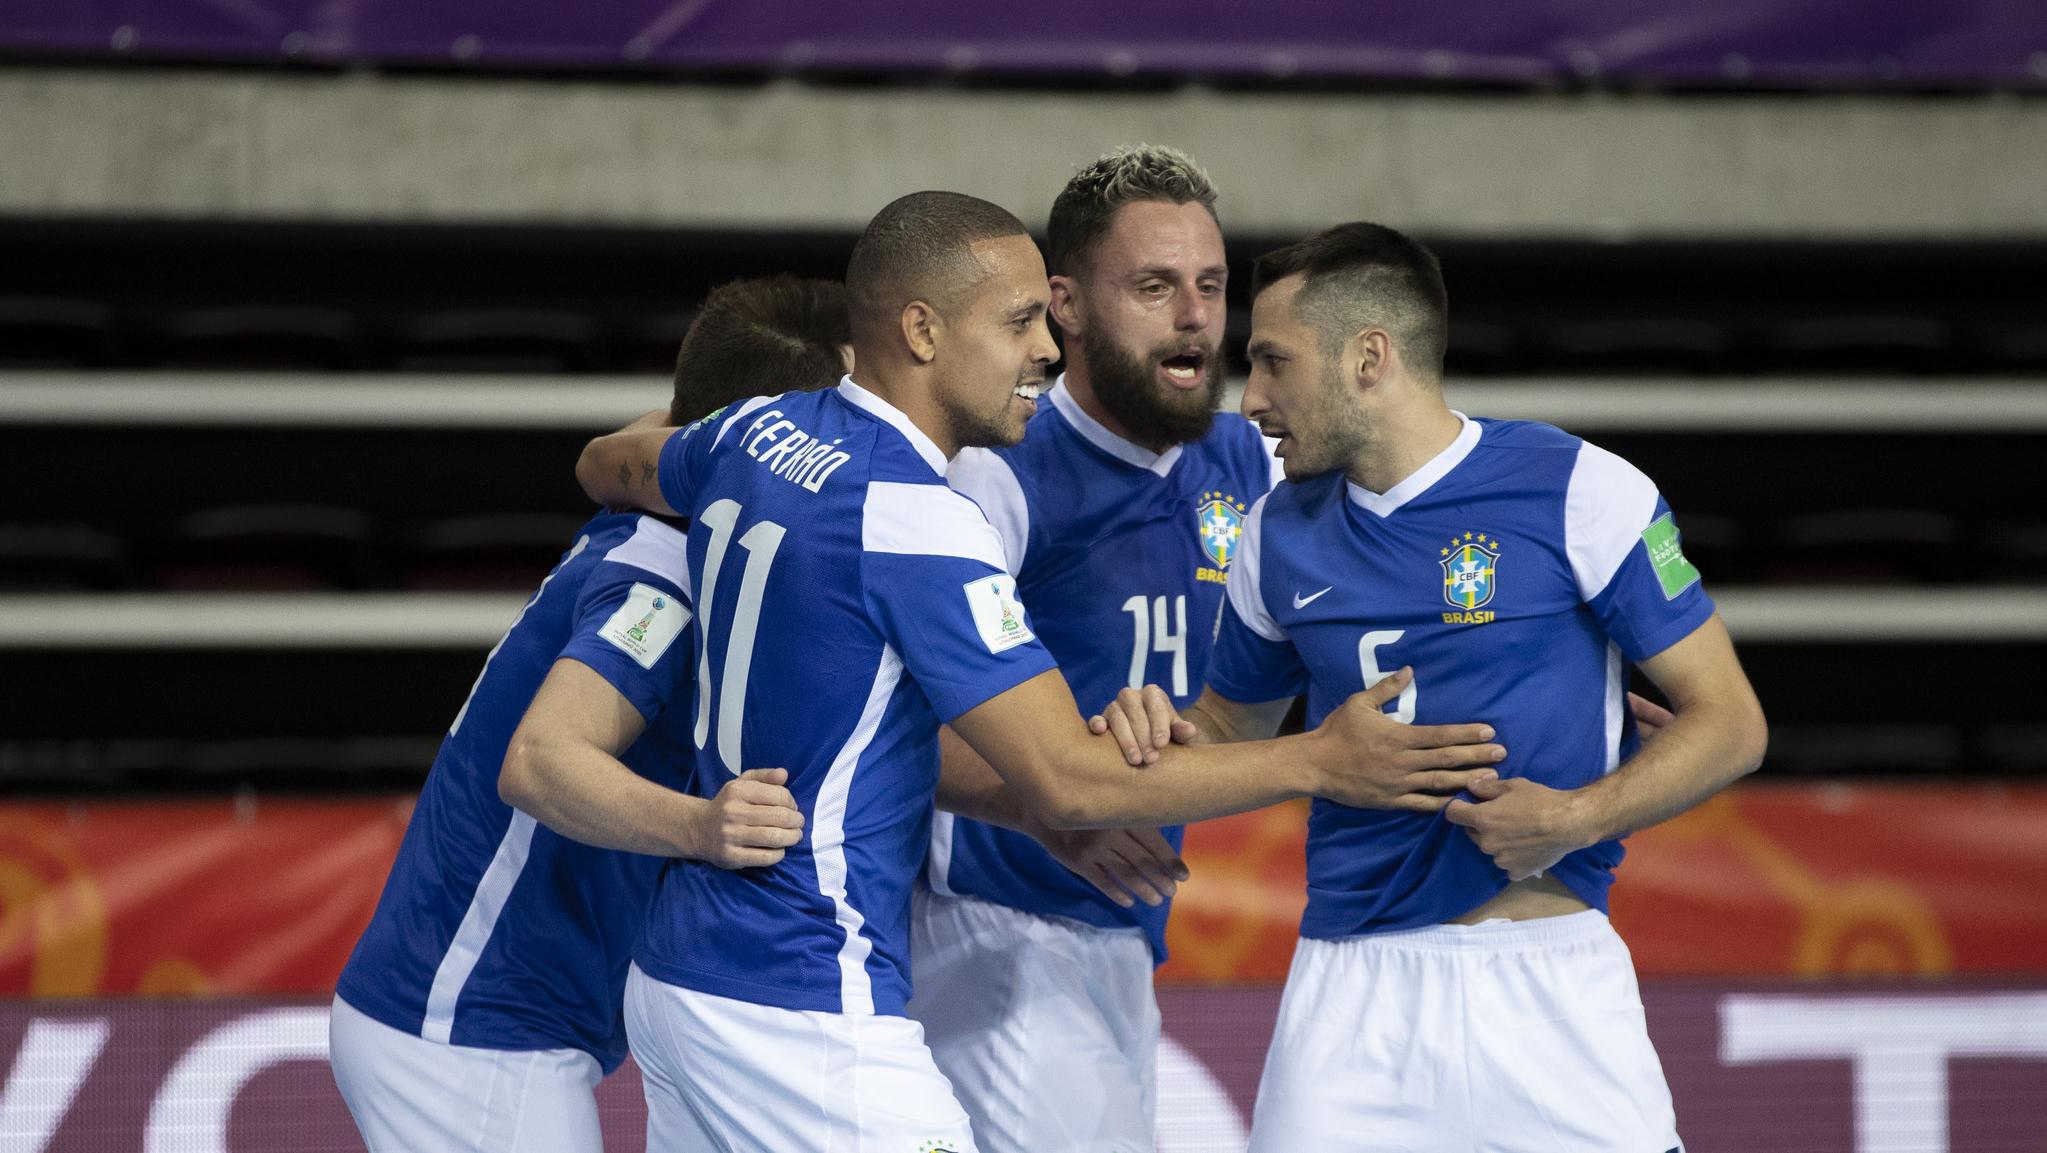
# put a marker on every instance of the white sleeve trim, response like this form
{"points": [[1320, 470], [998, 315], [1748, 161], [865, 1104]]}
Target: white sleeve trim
{"points": [[656, 548], [738, 414], [992, 484], [1608, 505], [927, 520], [1243, 589]]}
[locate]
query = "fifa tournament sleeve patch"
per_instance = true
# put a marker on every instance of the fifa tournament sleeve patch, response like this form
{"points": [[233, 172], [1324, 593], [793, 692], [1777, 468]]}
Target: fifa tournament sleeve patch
{"points": [[646, 624], [997, 615], [1667, 557]]}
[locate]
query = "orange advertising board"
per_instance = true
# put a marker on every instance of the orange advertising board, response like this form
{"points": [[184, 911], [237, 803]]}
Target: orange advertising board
{"points": [[203, 897], [1763, 880]]}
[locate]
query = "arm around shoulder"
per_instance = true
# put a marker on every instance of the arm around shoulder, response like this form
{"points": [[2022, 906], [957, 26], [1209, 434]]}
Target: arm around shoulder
{"points": [[623, 468]]}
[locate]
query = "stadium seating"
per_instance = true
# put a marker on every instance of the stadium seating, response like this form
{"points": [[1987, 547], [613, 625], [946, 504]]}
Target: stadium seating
{"points": [[483, 509]]}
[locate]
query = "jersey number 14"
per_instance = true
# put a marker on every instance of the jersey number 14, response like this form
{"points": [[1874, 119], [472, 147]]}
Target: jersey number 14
{"points": [[1155, 634]]}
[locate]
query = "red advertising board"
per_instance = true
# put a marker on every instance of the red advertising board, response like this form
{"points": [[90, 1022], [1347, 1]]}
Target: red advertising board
{"points": [[222, 897], [1861, 1067], [1762, 880]]}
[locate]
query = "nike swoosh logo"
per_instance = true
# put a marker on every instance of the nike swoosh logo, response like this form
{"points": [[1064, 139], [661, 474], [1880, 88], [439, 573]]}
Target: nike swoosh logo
{"points": [[1301, 602]]}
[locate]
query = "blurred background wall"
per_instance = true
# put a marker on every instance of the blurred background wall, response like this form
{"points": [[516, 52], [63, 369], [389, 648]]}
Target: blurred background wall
{"points": [[305, 309]]}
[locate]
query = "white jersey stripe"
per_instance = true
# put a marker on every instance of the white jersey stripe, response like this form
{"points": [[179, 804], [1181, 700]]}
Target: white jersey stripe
{"points": [[656, 548], [828, 838], [1608, 504], [1616, 706], [1245, 592], [927, 520], [938, 867], [492, 891], [988, 479], [738, 414]]}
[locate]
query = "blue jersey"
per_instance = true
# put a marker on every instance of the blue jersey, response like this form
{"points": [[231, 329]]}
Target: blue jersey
{"points": [[494, 931], [849, 602], [1125, 553], [1515, 573]]}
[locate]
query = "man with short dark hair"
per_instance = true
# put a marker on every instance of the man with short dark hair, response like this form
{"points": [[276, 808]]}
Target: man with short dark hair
{"points": [[851, 602], [784, 329], [1457, 985], [1119, 514], [482, 1005]]}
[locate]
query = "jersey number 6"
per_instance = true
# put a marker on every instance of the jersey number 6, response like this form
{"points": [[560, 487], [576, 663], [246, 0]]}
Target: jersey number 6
{"points": [[1368, 666]]}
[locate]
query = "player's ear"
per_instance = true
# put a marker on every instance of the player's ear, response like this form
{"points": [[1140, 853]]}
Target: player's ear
{"points": [[920, 325], [1368, 355], [1065, 308]]}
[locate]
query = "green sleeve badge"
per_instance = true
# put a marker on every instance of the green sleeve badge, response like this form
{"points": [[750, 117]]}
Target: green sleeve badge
{"points": [[1667, 557]]}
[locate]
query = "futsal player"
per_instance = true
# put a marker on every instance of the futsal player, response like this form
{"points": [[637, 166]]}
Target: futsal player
{"points": [[851, 602], [1457, 986], [1119, 514], [482, 1005]]}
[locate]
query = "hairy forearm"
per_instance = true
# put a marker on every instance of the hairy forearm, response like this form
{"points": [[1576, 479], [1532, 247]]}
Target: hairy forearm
{"points": [[1092, 787], [1704, 749], [588, 795]]}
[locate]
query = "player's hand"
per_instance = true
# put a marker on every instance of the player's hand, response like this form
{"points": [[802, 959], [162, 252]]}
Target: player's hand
{"points": [[1143, 722], [1525, 827], [1650, 717], [1376, 762], [750, 823], [1122, 863]]}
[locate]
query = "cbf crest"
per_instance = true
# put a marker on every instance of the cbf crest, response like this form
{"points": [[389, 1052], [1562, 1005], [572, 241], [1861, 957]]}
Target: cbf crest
{"points": [[1471, 575], [1220, 520]]}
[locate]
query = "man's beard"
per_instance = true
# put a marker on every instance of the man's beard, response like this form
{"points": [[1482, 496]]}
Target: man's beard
{"points": [[1339, 432], [1152, 413]]}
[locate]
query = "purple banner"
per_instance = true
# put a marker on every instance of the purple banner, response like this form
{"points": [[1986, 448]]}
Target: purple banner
{"points": [[1785, 1068], [1747, 42]]}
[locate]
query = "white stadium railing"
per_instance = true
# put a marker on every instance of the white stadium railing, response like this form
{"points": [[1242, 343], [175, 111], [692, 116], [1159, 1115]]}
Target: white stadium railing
{"points": [[1678, 404], [471, 620]]}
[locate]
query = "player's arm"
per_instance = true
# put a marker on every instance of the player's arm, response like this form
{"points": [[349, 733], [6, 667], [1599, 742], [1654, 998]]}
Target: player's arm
{"points": [[1144, 721], [1123, 863], [1033, 736], [623, 468], [1716, 734], [1402, 761], [562, 768]]}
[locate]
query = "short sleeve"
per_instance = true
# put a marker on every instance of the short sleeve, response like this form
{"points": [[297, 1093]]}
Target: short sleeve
{"points": [[941, 592], [633, 618], [1254, 659], [1628, 556], [1249, 668]]}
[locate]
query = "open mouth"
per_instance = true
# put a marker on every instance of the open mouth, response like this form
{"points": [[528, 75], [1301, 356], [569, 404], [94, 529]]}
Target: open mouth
{"points": [[1184, 370], [1030, 390]]}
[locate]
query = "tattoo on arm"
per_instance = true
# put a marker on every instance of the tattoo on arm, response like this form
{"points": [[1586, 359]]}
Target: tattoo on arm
{"points": [[646, 472], [625, 475]]}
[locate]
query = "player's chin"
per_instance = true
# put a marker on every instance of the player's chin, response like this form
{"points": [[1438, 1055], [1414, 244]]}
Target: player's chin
{"points": [[1016, 418]]}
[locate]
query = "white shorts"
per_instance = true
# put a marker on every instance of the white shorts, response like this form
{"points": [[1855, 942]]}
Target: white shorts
{"points": [[1508, 1037], [1046, 1026], [737, 1077], [411, 1095]]}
